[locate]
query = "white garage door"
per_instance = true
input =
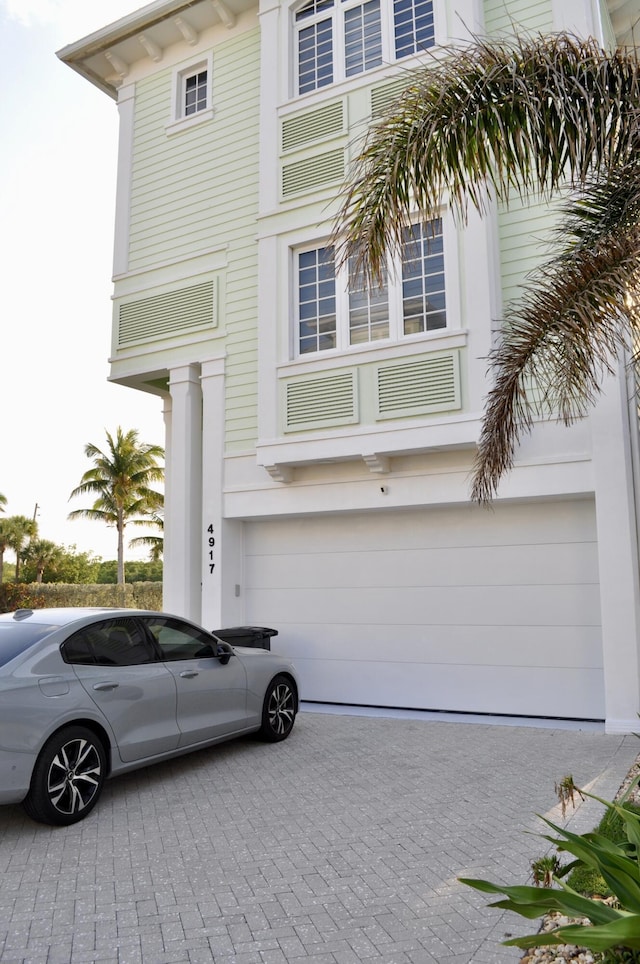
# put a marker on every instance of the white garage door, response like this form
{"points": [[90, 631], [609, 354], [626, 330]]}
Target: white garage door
{"points": [[459, 609]]}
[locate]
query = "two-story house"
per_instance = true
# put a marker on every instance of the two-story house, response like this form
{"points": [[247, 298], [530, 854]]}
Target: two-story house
{"points": [[319, 437]]}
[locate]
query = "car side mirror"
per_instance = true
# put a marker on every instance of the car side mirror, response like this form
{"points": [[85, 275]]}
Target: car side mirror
{"points": [[224, 652]]}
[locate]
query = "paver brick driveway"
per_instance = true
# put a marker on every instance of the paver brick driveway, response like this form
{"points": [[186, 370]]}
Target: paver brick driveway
{"points": [[341, 845]]}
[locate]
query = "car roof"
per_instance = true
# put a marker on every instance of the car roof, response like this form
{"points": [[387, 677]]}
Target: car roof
{"points": [[64, 615]]}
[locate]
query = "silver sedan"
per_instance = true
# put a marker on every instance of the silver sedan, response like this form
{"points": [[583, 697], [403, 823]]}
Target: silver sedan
{"points": [[89, 693]]}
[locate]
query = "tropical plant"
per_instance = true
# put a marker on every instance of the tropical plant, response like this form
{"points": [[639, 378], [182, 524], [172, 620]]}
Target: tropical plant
{"points": [[534, 116], [121, 479], [20, 529], [610, 927], [74, 567], [5, 535], [155, 543], [39, 555], [136, 570], [3, 502]]}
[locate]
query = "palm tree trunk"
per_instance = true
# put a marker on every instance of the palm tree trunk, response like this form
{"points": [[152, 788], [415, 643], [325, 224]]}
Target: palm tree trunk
{"points": [[120, 550]]}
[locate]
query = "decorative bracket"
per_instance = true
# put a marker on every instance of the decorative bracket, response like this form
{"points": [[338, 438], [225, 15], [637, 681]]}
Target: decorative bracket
{"points": [[227, 17], [118, 64], [377, 463], [151, 47], [280, 473], [187, 31]]}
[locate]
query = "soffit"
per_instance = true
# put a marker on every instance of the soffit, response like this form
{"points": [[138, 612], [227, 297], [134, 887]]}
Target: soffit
{"points": [[106, 56]]}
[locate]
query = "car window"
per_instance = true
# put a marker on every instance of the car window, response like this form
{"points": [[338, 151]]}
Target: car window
{"points": [[178, 640], [115, 642], [15, 638]]}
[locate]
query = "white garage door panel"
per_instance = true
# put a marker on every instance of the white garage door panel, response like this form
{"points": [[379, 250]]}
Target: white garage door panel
{"points": [[552, 523], [471, 689], [442, 605], [459, 566], [566, 646], [454, 608]]}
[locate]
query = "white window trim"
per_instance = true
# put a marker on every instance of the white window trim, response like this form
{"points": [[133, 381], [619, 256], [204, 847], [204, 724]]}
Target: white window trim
{"points": [[396, 335], [179, 121]]}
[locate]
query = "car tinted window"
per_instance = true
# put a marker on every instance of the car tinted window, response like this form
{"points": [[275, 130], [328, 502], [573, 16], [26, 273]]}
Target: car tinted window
{"points": [[178, 640], [15, 638], [115, 642]]}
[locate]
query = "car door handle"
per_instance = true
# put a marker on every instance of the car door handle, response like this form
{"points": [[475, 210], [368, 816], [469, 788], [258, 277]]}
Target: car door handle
{"points": [[189, 673], [105, 686]]}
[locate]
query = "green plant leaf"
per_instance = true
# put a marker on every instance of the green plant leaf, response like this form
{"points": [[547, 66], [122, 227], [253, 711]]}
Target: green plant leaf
{"points": [[624, 932], [617, 868], [524, 900]]}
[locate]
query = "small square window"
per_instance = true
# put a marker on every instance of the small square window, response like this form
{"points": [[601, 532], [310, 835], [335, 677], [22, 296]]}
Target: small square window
{"points": [[195, 96], [191, 99]]}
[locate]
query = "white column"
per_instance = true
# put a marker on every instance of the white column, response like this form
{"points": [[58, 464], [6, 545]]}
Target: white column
{"points": [[576, 17], [183, 516], [617, 557], [222, 600]]}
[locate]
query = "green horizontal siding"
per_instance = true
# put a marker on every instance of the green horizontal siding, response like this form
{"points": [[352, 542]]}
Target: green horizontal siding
{"points": [[525, 233], [196, 189], [527, 17]]}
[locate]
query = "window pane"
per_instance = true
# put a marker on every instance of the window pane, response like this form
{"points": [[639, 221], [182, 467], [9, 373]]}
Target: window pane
{"points": [[195, 93], [315, 56], [368, 311], [423, 282], [116, 642], [179, 641], [316, 300], [312, 8], [362, 38], [413, 23]]}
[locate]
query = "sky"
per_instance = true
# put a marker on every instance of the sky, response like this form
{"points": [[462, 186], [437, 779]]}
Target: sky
{"points": [[58, 149]]}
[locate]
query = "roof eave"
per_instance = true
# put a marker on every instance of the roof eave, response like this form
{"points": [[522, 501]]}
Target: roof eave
{"points": [[76, 54]]}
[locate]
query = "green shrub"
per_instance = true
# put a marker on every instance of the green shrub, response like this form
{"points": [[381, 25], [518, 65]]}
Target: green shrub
{"points": [[138, 595]]}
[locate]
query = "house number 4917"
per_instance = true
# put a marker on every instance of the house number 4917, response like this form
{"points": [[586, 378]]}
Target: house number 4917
{"points": [[211, 542]]}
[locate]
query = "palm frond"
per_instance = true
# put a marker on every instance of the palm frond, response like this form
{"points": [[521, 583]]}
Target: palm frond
{"points": [[577, 312], [491, 118]]}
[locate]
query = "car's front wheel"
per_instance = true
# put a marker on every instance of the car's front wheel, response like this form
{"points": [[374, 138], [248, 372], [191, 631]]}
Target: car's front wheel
{"points": [[279, 710], [68, 777]]}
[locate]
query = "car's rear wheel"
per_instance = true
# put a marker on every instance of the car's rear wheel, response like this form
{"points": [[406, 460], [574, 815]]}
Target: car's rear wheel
{"points": [[279, 710], [68, 777]]}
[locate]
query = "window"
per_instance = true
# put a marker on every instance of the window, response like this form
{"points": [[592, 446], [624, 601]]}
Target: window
{"points": [[413, 26], [117, 642], [336, 310], [191, 98], [342, 38], [423, 291], [195, 93], [178, 641]]}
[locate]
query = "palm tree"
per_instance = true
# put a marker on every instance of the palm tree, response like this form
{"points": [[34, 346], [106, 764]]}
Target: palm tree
{"points": [[3, 502], [120, 479], [20, 530], [5, 535], [43, 554], [155, 544], [534, 116]]}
